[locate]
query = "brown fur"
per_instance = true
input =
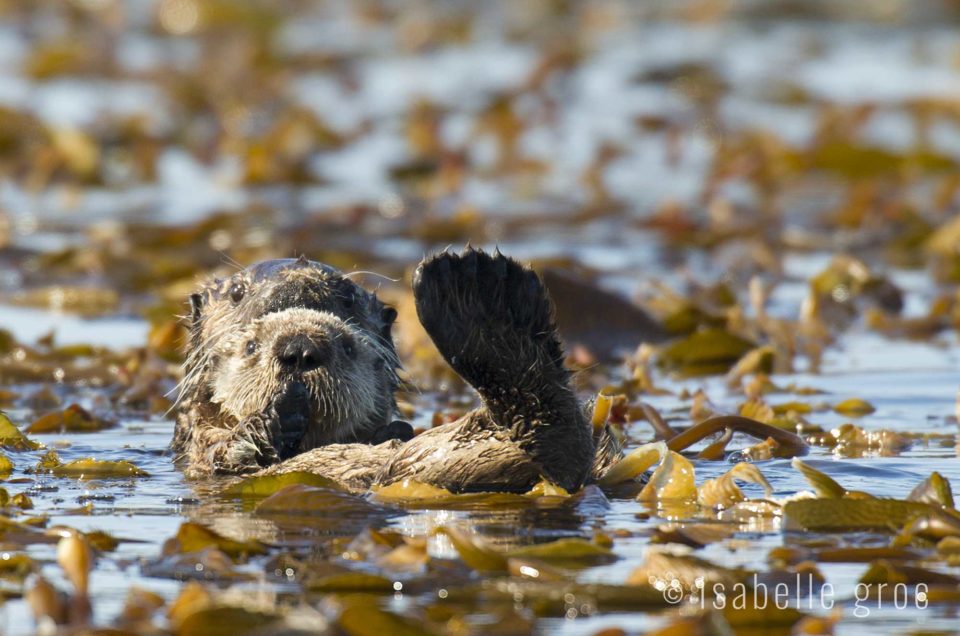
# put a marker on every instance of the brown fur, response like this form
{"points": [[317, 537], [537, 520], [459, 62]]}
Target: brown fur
{"points": [[234, 381], [490, 318]]}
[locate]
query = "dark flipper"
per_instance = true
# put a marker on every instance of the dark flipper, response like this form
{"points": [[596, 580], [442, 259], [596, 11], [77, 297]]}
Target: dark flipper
{"points": [[492, 321]]}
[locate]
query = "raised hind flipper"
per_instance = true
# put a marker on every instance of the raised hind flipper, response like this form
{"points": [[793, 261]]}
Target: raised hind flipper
{"points": [[492, 320]]}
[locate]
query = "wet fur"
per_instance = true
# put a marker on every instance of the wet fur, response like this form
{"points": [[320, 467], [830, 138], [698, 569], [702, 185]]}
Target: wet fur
{"points": [[234, 409], [492, 321]]}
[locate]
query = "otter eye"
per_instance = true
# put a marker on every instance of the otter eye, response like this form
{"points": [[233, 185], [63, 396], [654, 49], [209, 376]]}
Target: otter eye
{"points": [[348, 299], [388, 315], [348, 347], [251, 347], [236, 292]]}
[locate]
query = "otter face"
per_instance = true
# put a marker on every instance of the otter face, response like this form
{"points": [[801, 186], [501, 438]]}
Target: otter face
{"points": [[297, 337]]}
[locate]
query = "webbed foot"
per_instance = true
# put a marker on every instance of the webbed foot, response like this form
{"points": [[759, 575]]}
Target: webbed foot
{"points": [[489, 316], [492, 320]]}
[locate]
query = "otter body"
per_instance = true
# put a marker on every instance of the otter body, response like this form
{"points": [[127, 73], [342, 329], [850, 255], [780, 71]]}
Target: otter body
{"points": [[292, 367]]}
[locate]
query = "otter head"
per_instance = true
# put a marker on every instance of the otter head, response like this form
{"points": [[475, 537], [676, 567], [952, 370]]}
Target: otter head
{"points": [[297, 340]]}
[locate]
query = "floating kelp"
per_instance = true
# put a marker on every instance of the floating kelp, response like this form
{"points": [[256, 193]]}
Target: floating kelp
{"points": [[193, 537], [723, 492], [12, 438], [688, 573], [24, 531], [935, 489], [942, 249], [939, 524], [76, 558], [634, 464], [413, 494], [566, 552], [823, 484], [799, 408], [672, 480], [839, 515], [207, 564], [372, 543], [892, 573], [87, 468], [548, 598], [300, 499], [674, 477], [860, 161], [46, 602], [717, 450], [706, 352], [537, 570], [410, 556], [359, 616], [789, 444], [73, 419], [744, 616], [793, 555], [475, 552], [761, 451], [849, 440], [846, 283], [941, 315], [223, 621], [838, 509], [854, 407], [602, 406], [694, 535], [17, 567], [104, 542], [139, 607], [266, 485], [681, 315], [193, 597], [348, 581], [758, 361], [168, 340]]}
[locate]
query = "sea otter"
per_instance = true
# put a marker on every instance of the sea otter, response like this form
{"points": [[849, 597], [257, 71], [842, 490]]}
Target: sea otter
{"points": [[291, 365]]}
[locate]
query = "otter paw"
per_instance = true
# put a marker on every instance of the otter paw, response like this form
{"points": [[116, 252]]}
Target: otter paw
{"points": [[249, 447], [489, 315], [397, 429], [289, 419]]}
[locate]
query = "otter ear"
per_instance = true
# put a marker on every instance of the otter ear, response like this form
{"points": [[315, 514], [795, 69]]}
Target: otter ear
{"points": [[387, 315], [196, 306]]}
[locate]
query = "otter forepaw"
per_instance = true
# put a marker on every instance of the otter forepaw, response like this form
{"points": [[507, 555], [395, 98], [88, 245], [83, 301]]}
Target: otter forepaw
{"points": [[252, 444], [289, 419], [395, 430]]}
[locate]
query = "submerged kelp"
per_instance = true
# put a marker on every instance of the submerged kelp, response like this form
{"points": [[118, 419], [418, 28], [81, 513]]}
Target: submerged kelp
{"points": [[746, 214]]}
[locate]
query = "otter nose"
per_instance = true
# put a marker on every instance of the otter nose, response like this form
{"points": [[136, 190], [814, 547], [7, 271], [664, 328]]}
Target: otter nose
{"points": [[300, 353]]}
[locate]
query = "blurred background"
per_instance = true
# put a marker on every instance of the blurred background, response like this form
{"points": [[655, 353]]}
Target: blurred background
{"points": [[143, 142], [780, 171], [765, 186]]}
